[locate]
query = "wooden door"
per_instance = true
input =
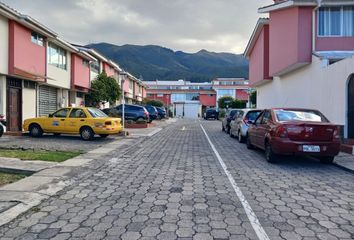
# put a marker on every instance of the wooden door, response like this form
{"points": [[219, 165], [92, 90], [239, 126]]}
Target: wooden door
{"points": [[14, 109]]}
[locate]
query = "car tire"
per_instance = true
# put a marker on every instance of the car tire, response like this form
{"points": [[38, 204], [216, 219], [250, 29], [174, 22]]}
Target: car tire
{"points": [[86, 134], [1, 130], [35, 131], [326, 160], [240, 138], [271, 157], [103, 135], [140, 119], [249, 144], [230, 133]]}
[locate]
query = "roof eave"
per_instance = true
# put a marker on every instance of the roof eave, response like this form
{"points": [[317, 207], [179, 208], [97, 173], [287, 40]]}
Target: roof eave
{"points": [[257, 30], [287, 4]]}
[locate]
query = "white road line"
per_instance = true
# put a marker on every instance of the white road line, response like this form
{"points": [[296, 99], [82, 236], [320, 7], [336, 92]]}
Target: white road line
{"points": [[262, 235]]}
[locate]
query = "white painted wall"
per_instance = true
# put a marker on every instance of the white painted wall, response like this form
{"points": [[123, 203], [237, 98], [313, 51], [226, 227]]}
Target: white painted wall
{"points": [[28, 103], [4, 45], [93, 75], [63, 98], [2, 94], [313, 86], [59, 77]]}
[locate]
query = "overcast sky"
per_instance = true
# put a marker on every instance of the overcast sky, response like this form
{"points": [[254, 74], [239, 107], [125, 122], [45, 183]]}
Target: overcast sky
{"points": [[187, 25]]}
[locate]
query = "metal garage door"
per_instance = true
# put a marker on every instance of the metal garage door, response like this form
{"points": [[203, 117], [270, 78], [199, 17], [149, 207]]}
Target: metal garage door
{"points": [[179, 110], [191, 110], [47, 100]]}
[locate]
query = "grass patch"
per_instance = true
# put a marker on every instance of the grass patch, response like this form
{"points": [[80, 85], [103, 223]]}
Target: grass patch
{"points": [[6, 178], [50, 156]]}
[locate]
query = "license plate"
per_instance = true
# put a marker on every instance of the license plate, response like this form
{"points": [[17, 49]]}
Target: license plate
{"points": [[311, 148]]}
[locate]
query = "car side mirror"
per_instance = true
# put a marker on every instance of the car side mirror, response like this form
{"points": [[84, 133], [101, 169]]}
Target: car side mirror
{"points": [[50, 115], [251, 122]]}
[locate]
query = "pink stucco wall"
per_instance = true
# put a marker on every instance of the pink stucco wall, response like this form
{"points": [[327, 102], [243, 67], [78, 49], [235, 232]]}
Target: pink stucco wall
{"points": [[290, 35], [144, 92], [207, 99], [80, 74], [23, 54], [241, 94], [126, 85], [108, 69], [335, 43], [259, 58]]}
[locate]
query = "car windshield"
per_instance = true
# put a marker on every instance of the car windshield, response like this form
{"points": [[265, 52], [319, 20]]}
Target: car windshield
{"points": [[96, 113], [299, 115]]}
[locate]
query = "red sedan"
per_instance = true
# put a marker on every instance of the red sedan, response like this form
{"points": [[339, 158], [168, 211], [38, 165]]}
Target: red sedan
{"points": [[290, 131]]}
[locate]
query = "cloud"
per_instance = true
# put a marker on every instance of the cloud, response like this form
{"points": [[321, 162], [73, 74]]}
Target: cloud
{"points": [[188, 25]]}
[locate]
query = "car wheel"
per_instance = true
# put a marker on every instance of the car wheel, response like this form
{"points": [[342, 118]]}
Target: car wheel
{"points": [[230, 133], [240, 138], [103, 135], [35, 130], [269, 154], [249, 144], [326, 160], [140, 119], [86, 133], [1, 130]]}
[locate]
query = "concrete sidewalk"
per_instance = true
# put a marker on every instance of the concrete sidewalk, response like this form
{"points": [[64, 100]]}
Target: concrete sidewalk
{"points": [[345, 161]]}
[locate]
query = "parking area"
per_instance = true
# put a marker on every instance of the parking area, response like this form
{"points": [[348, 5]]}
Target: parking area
{"points": [[186, 182]]}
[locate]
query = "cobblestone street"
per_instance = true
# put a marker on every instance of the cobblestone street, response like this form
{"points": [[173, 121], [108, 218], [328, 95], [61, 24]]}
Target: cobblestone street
{"points": [[172, 186]]}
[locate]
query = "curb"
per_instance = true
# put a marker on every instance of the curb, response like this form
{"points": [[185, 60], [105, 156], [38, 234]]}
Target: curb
{"points": [[343, 167]]}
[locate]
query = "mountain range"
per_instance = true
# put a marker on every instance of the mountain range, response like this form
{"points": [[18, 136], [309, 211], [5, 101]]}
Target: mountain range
{"points": [[153, 62]]}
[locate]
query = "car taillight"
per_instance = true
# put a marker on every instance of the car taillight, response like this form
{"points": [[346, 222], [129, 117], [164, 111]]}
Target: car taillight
{"points": [[336, 134], [282, 132], [245, 120]]}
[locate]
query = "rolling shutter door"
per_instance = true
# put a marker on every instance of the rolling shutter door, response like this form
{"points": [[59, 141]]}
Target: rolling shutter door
{"points": [[47, 100]]}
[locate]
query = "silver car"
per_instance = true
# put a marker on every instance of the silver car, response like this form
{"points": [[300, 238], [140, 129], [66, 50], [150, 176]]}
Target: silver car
{"points": [[239, 125]]}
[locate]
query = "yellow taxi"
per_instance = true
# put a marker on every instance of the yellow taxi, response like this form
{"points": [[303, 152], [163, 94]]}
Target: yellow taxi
{"points": [[86, 121]]}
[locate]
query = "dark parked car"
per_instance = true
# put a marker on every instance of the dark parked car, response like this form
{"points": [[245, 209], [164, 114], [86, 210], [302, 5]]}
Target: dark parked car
{"points": [[161, 112], [131, 112], [211, 113], [2, 124], [291, 131], [153, 113], [230, 115]]}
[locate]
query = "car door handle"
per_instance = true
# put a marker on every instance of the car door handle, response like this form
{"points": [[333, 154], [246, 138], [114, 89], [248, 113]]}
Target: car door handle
{"points": [[62, 119], [82, 120]]}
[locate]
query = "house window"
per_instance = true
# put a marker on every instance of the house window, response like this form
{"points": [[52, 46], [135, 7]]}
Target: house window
{"points": [[79, 94], [57, 56], [29, 84], [131, 84], [336, 21], [85, 62], [37, 39], [95, 66]]}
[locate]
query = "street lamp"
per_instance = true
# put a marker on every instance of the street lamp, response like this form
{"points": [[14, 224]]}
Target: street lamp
{"points": [[123, 74]]}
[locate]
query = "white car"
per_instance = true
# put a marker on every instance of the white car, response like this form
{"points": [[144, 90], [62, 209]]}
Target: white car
{"points": [[239, 125]]}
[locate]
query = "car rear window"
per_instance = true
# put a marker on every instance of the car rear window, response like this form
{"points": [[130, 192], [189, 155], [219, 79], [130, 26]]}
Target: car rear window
{"points": [[252, 115], [299, 115], [211, 111], [96, 113]]}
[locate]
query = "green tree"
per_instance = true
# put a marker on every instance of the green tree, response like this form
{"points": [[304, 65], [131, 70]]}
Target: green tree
{"points": [[152, 102], [238, 104], [253, 98], [225, 102], [104, 89]]}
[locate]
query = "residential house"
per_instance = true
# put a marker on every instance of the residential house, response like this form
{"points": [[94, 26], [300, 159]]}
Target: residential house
{"points": [[184, 98], [302, 56], [237, 88]]}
